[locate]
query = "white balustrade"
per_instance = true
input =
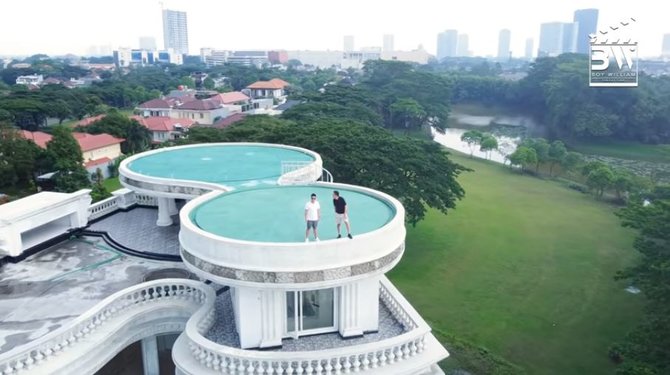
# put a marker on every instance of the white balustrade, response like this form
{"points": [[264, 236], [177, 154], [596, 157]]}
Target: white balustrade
{"points": [[355, 358], [146, 200], [102, 208], [122, 303]]}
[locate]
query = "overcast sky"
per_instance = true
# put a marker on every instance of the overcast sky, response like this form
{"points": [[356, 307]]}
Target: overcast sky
{"points": [[57, 27]]}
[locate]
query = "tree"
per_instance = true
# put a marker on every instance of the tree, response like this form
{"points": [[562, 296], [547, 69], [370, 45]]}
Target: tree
{"points": [[472, 138], [18, 164], [600, 179], [523, 156], [623, 182], [557, 153], [646, 350], [541, 147], [571, 161], [410, 113], [98, 191], [418, 173], [137, 138], [488, 144], [71, 175], [208, 83]]}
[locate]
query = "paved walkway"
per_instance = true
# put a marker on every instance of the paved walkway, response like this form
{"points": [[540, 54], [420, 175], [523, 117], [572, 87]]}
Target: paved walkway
{"points": [[137, 230]]}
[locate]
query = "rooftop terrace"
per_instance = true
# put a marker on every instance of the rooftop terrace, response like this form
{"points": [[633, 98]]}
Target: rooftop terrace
{"points": [[80, 271]]}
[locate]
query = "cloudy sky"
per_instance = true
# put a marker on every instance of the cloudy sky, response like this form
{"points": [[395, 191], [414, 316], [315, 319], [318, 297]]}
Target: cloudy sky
{"points": [[58, 27]]}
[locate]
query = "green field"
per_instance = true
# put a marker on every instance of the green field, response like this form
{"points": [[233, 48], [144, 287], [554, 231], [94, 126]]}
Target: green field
{"points": [[626, 150], [522, 268], [112, 184]]}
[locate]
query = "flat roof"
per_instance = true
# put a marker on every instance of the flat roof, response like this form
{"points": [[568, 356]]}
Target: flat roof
{"points": [[231, 165], [277, 214], [50, 288]]}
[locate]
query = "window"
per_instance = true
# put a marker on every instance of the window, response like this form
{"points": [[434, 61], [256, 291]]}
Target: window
{"points": [[202, 115]]}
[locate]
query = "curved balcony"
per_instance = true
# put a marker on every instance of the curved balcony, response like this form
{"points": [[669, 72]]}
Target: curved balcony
{"points": [[186, 172], [413, 351], [256, 236], [143, 310]]}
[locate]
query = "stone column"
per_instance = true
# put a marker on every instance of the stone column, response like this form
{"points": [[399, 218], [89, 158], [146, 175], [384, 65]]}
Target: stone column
{"points": [[172, 206], [164, 218], [150, 356]]}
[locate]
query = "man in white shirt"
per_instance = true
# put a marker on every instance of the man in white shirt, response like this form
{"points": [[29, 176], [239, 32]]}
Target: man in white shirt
{"points": [[312, 216]]}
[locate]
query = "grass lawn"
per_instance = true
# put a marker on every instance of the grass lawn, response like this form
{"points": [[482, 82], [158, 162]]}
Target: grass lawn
{"points": [[524, 268], [626, 150], [112, 184]]}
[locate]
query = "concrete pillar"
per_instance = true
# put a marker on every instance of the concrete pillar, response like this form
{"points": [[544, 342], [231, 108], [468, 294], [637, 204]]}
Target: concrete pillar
{"points": [[164, 219], [150, 356], [172, 207], [359, 307]]}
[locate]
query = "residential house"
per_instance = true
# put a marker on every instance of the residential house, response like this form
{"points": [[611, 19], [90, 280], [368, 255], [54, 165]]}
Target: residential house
{"points": [[226, 122], [235, 101], [165, 128], [205, 111], [156, 107], [98, 150], [274, 89], [33, 79]]}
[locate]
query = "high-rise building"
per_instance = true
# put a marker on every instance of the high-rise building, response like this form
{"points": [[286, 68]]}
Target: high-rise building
{"points": [[665, 51], [148, 43], [388, 43], [175, 31], [463, 45], [551, 39], [569, 37], [447, 44], [588, 24], [529, 49], [348, 43], [504, 39]]}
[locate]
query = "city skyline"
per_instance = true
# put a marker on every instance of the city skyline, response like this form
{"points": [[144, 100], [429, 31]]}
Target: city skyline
{"points": [[313, 30]]}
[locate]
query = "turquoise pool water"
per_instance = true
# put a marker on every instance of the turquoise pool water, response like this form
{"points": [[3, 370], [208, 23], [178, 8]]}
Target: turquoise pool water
{"points": [[237, 166], [277, 214]]}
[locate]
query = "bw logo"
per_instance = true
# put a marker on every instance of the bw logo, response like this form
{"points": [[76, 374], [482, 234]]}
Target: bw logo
{"points": [[613, 61]]}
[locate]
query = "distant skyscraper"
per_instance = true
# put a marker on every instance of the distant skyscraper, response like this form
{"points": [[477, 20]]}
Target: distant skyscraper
{"points": [[348, 43], [463, 45], [551, 39], [447, 44], [175, 31], [148, 43], [569, 37], [388, 43], [588, 24], [504, 39], [529, 49], [665, 51]]}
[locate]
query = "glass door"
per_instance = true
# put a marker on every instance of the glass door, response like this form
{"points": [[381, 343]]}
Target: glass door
{"points": [[310, 312]]}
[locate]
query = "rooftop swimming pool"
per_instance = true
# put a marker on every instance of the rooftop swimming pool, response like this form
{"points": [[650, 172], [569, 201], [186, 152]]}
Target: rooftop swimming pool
{"points": [[277, 214], [232, 165]]}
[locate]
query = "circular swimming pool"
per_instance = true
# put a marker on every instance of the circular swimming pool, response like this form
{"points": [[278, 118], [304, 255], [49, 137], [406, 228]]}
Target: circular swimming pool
{"points": [[277, 214]]}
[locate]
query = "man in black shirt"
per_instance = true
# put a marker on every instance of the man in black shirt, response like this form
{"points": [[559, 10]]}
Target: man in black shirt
{"points": [[341, 213]]}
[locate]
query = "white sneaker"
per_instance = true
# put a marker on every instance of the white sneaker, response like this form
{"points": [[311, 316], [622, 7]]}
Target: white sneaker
{"points": [[317, 239], [306, 239]]}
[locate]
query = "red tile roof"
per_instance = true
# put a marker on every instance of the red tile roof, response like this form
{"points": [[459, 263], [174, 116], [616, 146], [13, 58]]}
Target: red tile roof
{"points": [[273, 84], [163, 124], [40, 138], [156, 103], [201, 105], [86, 141], [230, 97], [96, 162], [226, 122], [89, 142], [89, 120]]}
